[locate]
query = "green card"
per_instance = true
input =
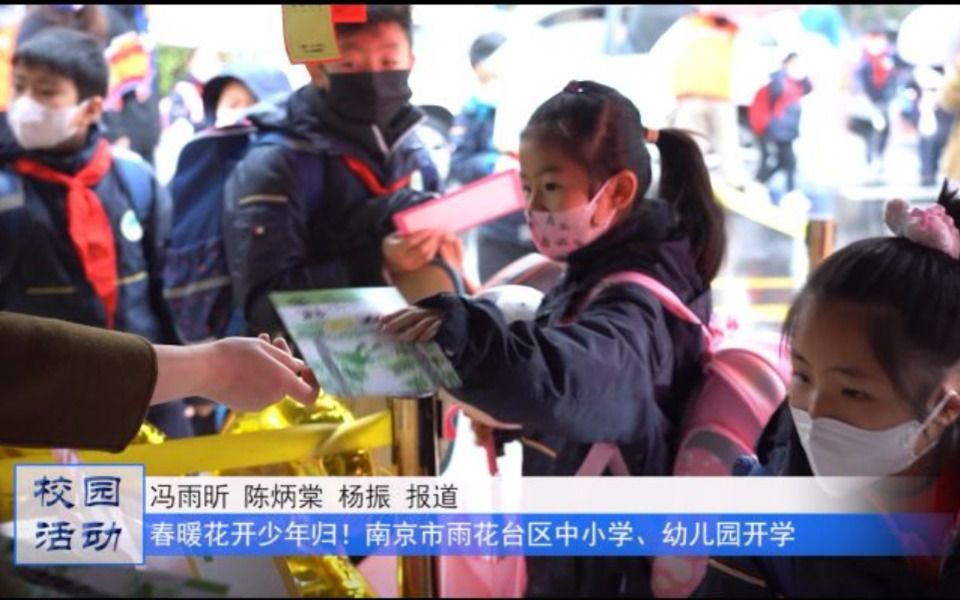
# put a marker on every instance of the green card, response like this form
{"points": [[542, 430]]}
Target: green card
{"points": [[338, 334]]}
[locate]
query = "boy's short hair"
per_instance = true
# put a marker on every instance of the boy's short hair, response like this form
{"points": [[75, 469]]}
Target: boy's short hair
{"points": [[75, 55], [381, 13], [484, 47]]}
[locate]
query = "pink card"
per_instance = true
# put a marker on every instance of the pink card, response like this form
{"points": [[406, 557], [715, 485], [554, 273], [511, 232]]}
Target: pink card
{"points": [[473, 204]]}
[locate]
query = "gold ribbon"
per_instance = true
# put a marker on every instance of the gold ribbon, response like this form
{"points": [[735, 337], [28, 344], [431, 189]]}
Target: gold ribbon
{"points": [[237, 451]]}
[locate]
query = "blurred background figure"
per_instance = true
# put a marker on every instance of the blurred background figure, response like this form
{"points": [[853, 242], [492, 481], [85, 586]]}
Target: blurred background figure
{"points": [[238, 87], [89, 18], [950, 100], [875, 87], [932, 122], [436, 134], [132, 116], [928, 40], [700, 51], [474, 153], [10, 17], [185, 101], [475, 156], [183, 110], [787, 86]]}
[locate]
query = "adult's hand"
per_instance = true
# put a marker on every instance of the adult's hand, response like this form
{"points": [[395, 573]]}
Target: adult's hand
{"points": [[245, 374]]}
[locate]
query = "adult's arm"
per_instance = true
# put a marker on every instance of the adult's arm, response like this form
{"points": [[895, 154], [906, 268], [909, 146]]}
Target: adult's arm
{"points": [[68, 385]]}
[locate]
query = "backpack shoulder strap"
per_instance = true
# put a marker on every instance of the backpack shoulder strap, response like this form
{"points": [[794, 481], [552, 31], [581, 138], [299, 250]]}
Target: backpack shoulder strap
{"points": [[304, 155], [601, 456], [151, 205], [665, 295], [662, 293], [11, 191], [12, 203], [604, 454], [136, 177]]}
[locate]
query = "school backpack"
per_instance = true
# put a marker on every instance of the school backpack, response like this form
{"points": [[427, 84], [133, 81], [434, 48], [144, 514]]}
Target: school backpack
{"points": [[197, 284], [745, 379]]}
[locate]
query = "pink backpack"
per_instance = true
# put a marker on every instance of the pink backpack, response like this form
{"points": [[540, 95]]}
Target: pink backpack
{"points": [[745, 380]]}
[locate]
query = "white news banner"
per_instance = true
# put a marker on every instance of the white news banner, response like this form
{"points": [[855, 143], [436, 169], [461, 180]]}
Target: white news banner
{"points": [[484, 494]]}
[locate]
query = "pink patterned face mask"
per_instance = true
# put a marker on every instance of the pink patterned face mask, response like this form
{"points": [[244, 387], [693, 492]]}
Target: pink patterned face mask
{"points": [[557, 234]]}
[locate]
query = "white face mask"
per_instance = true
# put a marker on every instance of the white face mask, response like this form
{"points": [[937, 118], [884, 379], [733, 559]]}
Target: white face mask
{"points": [[229, 116], [836, 449], [39, 127]]}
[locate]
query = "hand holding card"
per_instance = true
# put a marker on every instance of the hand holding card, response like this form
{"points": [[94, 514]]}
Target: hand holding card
{"points": [[473, 204]]}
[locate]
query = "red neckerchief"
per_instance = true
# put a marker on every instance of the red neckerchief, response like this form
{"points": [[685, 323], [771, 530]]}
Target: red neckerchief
{"points": [[87, 221], [370, 180]]}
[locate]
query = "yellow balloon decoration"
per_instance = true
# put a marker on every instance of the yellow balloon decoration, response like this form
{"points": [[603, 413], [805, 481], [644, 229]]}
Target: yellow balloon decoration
{"points": [[287, 438], [149, 434], [315, 576]]}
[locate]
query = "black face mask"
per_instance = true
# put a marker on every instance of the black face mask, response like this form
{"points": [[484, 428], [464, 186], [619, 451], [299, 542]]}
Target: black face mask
{"points": [[370, 97]]}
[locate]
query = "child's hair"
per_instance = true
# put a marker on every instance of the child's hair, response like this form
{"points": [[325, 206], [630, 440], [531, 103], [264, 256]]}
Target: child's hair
{"points": [[910, 295], [601, 130], [72, 54], [381, 13], [484, 46]]}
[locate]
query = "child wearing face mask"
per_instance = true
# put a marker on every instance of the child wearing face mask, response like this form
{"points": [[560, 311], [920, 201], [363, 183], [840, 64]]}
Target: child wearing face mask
{"points": [[225, 99], [613, 366], [315, 211], [876, 357], [238, 87], [82, 226]]}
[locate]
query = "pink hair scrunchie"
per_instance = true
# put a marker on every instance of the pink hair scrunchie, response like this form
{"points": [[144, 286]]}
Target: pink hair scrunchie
{"points": [[931, 227]]}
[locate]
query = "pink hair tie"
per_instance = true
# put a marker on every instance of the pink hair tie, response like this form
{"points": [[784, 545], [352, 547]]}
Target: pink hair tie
{"points": [[651, 135], [931, 227]]}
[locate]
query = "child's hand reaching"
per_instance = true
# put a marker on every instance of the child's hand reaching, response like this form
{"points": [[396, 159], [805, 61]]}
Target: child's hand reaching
{"points": [[413, 324], [405, 253]]}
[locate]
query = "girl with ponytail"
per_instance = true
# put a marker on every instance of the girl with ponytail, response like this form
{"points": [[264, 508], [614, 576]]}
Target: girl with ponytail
{"points": [[599, 363]]}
